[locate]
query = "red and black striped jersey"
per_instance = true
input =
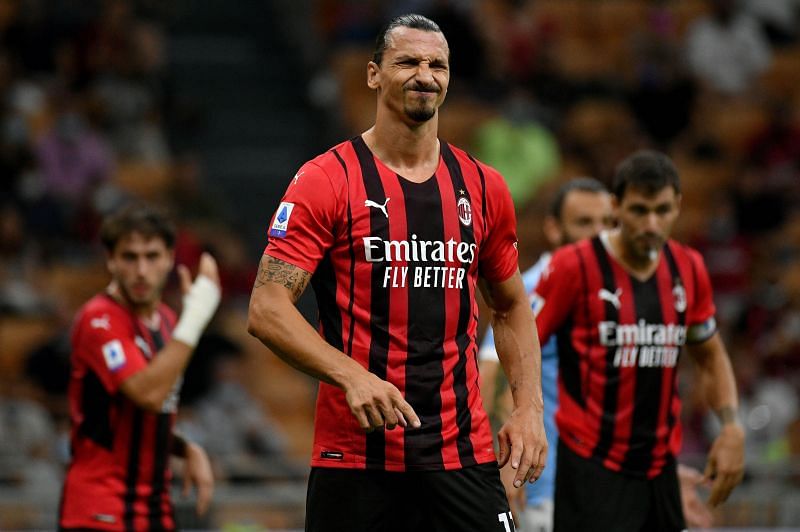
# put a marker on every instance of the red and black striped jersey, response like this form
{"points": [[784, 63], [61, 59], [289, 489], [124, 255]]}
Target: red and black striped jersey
{"points": [[395, 265], [118, 477], [619, 339]]}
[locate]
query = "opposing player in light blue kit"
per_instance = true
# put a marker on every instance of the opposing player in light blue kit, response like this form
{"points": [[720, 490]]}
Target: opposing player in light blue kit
{"points": [[581, 209]]}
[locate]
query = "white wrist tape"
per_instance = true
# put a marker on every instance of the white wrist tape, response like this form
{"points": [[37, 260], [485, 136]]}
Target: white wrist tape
{"points": [[199, 305]]}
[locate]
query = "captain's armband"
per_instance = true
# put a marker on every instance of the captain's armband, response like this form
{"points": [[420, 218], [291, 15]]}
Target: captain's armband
{"points": [[700, 332]]}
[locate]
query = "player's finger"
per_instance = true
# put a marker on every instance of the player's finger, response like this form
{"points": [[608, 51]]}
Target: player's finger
{"points": [[504, 451], [729, 482], [401, 419], [389, 417], [208, 267], [361, 417], [524, 467], [374, 417], [185, 278], [408, 412], [714, 496], [720, 490], [710, 470], [204, 494], [538, 466]]}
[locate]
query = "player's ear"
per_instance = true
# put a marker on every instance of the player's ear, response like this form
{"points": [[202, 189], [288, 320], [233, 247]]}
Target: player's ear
{"points": [[110, 262], [552, 231], [373, 75], [678, 198]]}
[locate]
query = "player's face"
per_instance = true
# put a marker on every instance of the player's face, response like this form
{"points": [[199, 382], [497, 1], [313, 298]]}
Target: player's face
{"points": [[646, 220], [583, 215], [140, 267], [414, 73]]}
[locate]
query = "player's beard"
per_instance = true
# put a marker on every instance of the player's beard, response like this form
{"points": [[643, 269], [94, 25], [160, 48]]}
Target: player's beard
{"points": [[420, 112], [421, 109], [144, 301]]}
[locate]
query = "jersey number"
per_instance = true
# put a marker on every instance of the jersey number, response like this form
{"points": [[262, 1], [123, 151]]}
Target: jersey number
{"points": [[508, 521]]}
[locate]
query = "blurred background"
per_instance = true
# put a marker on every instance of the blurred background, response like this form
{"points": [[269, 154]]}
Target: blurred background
{"points": [[209, 107]]}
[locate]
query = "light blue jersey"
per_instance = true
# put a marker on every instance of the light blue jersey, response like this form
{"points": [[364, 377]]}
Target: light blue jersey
{"points": [[544, 488]]}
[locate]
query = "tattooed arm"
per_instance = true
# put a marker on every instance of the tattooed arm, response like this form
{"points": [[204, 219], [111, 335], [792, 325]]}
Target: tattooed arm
{"points": [[522, 439], [274, 319]]}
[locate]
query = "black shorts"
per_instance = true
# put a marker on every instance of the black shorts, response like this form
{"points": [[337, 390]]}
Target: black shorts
{"points": [[591, 497], [349, 500]]}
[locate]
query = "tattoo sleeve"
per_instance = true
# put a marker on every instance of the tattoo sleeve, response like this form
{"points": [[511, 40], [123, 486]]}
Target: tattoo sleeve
{"points": [[274, 270]]}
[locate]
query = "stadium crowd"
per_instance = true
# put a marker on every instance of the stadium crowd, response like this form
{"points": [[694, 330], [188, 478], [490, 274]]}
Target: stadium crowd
{"points": [[544, 90]]}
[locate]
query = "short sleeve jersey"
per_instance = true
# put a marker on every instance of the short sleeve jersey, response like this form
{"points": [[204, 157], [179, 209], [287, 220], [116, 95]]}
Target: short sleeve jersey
{"points": [[619, 339], [118, 477], [395, 265]]}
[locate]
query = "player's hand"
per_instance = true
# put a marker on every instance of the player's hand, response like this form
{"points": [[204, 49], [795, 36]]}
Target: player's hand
{"points": [[696, 512], [377, 403], [207, 267], [198, 473], [725, 467], [523, 444]]}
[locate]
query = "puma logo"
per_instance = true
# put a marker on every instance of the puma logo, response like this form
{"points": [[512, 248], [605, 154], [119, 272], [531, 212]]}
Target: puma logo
{"points": [[605, 295], [103, 322], [370, 203]]}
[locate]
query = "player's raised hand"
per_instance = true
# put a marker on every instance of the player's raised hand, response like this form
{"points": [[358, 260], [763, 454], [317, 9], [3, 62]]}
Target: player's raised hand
{"points": [[200, 300], [207, 267], [523, 444], [377, 403], [725, 467]]}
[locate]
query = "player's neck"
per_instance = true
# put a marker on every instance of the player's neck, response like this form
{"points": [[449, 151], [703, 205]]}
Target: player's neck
{"points": [[412, 152], [640, 268]]}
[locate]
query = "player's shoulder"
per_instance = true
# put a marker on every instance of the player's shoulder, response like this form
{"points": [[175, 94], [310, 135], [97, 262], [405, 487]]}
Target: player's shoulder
{"points": [[466, 161], [570, 254], [101, 312], [685, 253], [329, 165], [101, 304]]}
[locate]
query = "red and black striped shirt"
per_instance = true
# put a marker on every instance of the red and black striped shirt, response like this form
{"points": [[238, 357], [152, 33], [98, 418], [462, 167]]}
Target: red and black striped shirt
{"points": [[395, 265], [118, 477], [619, 339]]}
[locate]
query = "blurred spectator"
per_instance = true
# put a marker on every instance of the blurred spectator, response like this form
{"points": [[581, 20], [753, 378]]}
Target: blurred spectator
{"points": [[27, 440], [776, 148], [516, 144], [663, 92], [726, 49], [73, 156], [780, 19], [227, 420], [130, 93], [467, 62]]}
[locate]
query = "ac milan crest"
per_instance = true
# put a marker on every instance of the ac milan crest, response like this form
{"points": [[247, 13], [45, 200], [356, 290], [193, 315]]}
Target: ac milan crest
{"points": [[464, 212]]}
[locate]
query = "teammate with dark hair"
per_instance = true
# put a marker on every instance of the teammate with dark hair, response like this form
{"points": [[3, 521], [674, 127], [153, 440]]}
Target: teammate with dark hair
{"points": [[128, 356], [621, 307], [394, 228]]}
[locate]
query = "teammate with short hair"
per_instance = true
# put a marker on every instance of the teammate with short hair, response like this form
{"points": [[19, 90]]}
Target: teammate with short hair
{"points": [[128, 356], [394, 228], [621, 306], [580, 209]]}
